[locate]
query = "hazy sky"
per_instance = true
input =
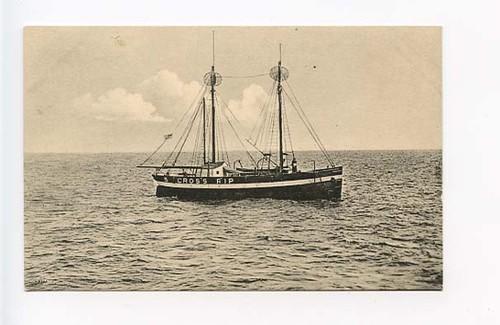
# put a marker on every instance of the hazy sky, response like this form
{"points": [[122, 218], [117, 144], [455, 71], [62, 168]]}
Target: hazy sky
{"points": [[117, 89]]}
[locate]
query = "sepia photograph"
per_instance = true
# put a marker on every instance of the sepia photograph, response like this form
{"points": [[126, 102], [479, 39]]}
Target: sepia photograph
{"points": [[232, 158]]}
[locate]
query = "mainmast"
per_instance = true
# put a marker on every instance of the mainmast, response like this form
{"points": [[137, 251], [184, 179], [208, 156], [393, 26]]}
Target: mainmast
{"points": [[280, 118], [213, 79], [204, 133]]}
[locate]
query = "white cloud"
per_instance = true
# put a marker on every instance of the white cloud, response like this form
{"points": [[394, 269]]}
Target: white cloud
{"points": [[118, 105], [168, 92], [248, 107], [161, 98]]}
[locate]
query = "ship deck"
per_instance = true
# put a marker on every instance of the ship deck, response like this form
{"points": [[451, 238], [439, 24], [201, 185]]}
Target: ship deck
{"points": [[324, 183]]}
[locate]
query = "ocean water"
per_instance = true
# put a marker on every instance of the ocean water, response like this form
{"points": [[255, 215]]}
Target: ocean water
{"points": [[92, 222]]}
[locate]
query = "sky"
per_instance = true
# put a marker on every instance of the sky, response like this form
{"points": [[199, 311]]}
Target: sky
{"points": [[120, 89]]}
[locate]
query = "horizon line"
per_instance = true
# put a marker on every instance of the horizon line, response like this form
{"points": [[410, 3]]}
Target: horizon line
{"points": [[241, 150]]}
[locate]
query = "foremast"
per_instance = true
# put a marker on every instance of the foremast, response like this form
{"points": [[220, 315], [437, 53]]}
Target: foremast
{"points": [[212, 94], [280, 73]]}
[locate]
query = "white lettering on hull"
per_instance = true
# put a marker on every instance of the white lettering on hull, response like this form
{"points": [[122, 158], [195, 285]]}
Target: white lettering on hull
{"points": [[191, 180], [228, 183]]}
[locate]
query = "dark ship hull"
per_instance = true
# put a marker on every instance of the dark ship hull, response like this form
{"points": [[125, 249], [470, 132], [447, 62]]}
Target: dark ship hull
{"points": [[320, 184]]}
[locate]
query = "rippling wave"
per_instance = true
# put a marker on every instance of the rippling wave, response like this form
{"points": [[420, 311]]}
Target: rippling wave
{"points": [[92, 222]]}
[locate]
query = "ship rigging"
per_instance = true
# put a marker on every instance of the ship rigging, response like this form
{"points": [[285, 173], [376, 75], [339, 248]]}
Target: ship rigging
{"points": [[271, 168]]}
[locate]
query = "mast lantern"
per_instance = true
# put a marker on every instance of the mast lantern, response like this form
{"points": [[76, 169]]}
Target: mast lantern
{"points": [[273, 73], [212, 78]]}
